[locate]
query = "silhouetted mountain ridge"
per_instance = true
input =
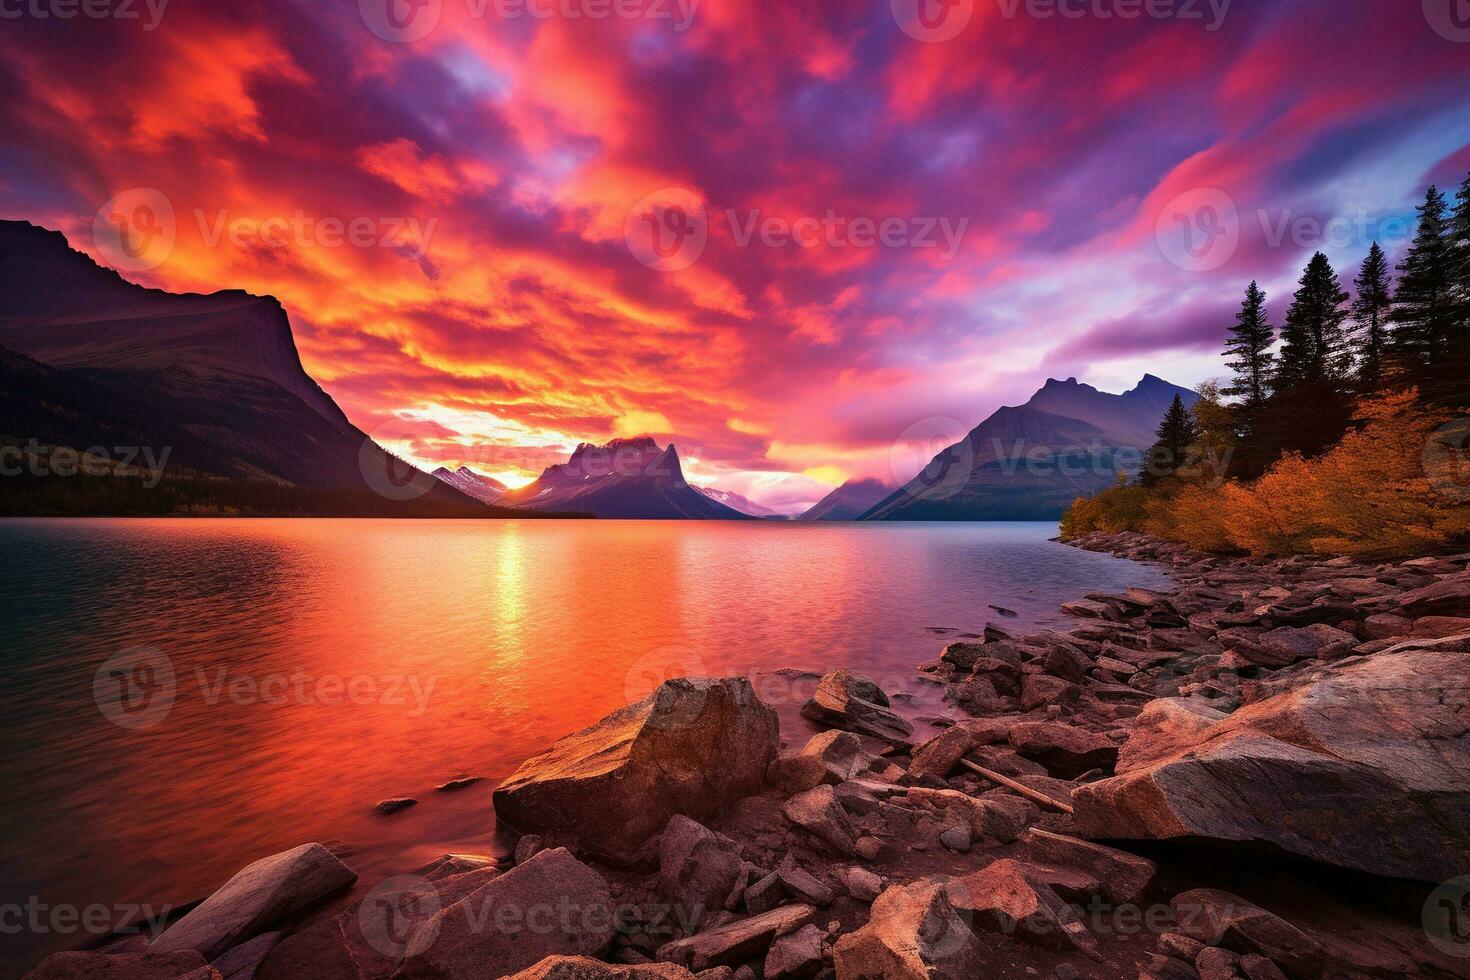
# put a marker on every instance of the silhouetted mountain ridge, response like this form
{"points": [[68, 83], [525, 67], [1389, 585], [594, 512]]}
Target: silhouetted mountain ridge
{"points": [[1029, 462]]}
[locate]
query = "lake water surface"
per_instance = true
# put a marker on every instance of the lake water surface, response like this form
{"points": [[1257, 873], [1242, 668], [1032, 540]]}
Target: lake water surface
{"points": [[182, 697]]}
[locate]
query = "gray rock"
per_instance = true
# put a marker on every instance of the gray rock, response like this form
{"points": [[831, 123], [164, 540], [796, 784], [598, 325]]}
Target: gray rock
{"points": [[553, 905], [696, 867], [240, 962], [386, 807], [913, 933], [1365, 767], [855, 704], [1219, 918], [1125, 877], [818, 812], [862, 884], [796, 955], [257, 897], [737, 942]]}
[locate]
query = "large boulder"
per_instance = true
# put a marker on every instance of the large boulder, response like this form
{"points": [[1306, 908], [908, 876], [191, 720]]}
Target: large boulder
{"points": [[261, 894], [913, 933], [853, 703], [692, 747], [1365, 767]]}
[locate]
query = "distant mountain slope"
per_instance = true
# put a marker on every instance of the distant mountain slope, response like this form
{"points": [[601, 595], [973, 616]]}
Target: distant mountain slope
{"points": [[849, 501], [90, 357], [1030, 461], [627, 479], [485, 489], [743, 504]]}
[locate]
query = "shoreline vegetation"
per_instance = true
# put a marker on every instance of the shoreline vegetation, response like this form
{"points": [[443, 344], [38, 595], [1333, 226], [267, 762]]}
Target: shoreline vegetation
{"points": [[1260, 772], [1350, 438]]}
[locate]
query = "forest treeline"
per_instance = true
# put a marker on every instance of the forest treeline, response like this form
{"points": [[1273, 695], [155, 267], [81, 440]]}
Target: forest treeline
{"points": [[1346, 432]]}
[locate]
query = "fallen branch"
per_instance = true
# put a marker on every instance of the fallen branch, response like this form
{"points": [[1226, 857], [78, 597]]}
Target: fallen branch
{"points": [[1033, 795]]}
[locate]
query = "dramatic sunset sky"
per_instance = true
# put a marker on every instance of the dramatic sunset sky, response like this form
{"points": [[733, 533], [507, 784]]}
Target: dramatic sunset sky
{"points": [[525, 323]]}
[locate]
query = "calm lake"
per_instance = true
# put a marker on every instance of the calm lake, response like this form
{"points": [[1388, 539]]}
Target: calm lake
{"points": [[183, 697]]}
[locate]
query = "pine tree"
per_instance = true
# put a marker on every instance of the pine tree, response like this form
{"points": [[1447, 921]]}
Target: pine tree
{"points": [[1422, 306], [1315, 346], [1250, 346], [1371, 311], [1459, 247], [1453, 384], [1177, 433]]}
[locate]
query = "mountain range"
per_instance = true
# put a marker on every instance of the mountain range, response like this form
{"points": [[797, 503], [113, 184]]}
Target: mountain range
{"points": [[88, 359]]}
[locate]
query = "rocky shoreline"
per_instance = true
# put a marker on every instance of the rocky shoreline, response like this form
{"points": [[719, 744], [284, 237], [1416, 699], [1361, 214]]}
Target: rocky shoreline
{"points": [[1262, 772]]}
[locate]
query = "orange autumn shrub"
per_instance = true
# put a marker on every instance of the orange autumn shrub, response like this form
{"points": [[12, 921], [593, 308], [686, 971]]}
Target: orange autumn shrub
{"points": [[1398, 484], [1118, 508], [1274, 515], [1193, 514]]}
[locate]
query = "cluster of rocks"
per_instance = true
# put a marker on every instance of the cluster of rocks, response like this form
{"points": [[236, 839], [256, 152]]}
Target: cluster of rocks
{"points": [[1312, 710]]}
